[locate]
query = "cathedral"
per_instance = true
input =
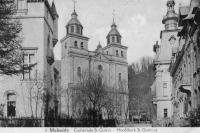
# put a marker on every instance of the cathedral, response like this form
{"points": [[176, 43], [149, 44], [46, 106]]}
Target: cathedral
{"points": [[76, 59]]}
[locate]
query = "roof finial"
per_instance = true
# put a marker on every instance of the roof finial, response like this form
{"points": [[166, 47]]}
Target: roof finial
{"points": [[113, 15], [74, 5]]}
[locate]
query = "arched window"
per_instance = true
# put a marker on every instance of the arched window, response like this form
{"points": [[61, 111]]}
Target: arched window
{"points": [[100, 81], [78, 30], [118, 40], [108, 40], [75, 44], [113, 39], [100, 68], [122, 54], [79, 72], [81, 44], [165, 113], [120, 77], [72, 29], [11, 104], [117, 52], [66, 45], [67, 30]]}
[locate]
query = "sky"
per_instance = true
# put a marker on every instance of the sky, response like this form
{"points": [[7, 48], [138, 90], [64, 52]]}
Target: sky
{"points": [[139, 22]]}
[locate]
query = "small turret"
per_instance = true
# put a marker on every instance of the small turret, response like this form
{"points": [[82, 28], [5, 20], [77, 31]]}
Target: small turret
{"points": [[171, 18], [99, 48]]}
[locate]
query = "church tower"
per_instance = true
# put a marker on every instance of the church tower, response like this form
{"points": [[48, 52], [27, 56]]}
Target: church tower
{"points": [[164, 54], [74, 35], [114, 46], [74, 57], [113, 36]]}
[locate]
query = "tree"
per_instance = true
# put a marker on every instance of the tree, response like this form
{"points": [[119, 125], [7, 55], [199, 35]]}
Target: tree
{"points": [[141, 77], [92, 97], [36, 94], [11, 59], [39, 99], [194, 117]]}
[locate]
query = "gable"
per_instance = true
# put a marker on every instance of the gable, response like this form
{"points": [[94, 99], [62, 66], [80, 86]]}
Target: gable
{"points": [[100, 56]]}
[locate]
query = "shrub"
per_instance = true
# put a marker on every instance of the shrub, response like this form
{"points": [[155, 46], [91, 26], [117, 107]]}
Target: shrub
{"points": [[194, 117]]}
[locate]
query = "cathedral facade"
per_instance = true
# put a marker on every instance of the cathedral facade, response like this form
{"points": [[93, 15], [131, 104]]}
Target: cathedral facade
{"points": [[76, 59]]}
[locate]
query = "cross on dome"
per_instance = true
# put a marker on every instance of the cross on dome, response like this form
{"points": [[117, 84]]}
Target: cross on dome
{"points": [[74, 5]]}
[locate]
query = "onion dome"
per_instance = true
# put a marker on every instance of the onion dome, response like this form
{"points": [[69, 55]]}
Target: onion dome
{"points": [[114, 30], [74, 19], [114, 35], [74, 26], [171, 18]]}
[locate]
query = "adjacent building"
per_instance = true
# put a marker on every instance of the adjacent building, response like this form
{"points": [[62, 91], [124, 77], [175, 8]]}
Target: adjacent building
{"points": [[176, 88], [23, 95], [162, 86], [185, 65], [110, 61]]}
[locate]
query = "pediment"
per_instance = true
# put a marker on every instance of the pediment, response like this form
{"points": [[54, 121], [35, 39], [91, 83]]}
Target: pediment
{"points": [[101, 56]]}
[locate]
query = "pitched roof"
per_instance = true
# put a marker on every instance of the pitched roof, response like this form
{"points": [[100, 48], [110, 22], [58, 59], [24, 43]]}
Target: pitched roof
{"points": [[53, 9]]}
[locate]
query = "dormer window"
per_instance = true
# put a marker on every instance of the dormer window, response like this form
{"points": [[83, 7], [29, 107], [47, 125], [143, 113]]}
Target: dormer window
{"points": [[75, 44], [72, 29], [81, 44], [117, 53]]}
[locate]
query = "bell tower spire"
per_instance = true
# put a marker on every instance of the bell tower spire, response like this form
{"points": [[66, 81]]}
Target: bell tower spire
{"points": [[74, 26], [113, 36], [74, 5], [113, 16]]}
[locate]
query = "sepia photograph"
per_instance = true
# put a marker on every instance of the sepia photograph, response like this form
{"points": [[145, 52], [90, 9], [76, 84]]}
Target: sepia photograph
{"points": [[100, 65]]}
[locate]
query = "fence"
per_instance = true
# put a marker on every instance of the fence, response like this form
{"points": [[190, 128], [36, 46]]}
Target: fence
{"points": [[69, 122], [21, 122], [54, 122]]}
